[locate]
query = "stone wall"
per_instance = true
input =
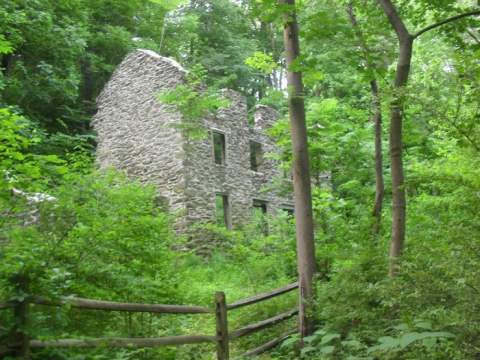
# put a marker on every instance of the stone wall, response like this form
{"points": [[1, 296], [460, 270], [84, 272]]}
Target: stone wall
{"points": [[135, 134], [205, 178], [134, 129]]}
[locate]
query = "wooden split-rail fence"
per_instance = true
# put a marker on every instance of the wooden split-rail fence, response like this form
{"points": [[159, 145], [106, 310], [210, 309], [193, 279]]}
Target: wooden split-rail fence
{"points": [[22, 344]]}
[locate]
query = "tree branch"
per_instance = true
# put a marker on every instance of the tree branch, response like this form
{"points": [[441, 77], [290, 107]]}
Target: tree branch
{"points": [[359, 34], [395, 20], [446, 21], [473, 36]]}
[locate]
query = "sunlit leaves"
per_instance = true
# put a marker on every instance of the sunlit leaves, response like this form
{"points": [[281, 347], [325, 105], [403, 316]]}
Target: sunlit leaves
{"points": [[194, 103], [169, 4], [5, 46], [261, 62]]}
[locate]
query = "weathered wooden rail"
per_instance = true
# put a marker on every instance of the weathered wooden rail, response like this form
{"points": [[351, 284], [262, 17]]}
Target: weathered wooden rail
{"points": [[21, 345]]}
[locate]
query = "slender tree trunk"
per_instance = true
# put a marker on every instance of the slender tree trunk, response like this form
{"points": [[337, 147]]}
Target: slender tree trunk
{"points": [[396, 116], [87, 90], [301, 170], [379, 182], [162, 34], [399, 205], [280, 76], [377, 120]]}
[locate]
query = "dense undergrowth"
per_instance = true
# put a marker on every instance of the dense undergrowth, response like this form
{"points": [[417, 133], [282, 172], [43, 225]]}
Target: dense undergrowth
{"points": [[102, 236], [106, 237], [430, 310]]}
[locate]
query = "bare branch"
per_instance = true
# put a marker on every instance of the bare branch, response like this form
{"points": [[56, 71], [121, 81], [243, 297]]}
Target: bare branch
{"points": [[446, 21], [359, 34], [473, 36]]}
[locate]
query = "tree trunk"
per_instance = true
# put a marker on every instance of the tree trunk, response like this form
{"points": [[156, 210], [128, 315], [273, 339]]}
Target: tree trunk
{"points": [[396, 144], [301, 170], [377, 120], [399, 205], [379, 182], [396, 116], [87, 90]]}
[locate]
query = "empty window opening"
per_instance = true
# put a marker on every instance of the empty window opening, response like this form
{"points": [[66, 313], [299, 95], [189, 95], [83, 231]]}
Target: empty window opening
{"points": [[219, 147], [260, 206], [222, 210], [256, 155], [260, 215]]}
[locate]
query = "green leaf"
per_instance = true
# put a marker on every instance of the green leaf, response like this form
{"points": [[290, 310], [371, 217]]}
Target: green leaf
{"points": [[6, 46], [388, 343], [409, 338], [307, 349], [169, 4], [291, 341], [355, 344], [327, 350], [402, 327], [328, 338], [427, 325], [262, 62]]}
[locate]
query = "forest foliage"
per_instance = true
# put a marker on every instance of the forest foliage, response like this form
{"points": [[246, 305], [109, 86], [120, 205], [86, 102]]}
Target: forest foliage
{"points": [[104, 236]]}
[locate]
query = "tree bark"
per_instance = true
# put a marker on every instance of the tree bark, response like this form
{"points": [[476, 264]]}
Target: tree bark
{"points": [[399, 205], [379, 181], [21, 317], [301, 170], [396, 116]]}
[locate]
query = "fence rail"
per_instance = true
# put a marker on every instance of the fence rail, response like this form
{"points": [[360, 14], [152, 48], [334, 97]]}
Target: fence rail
{"points": [[261, 297], [119, 306], [270, 344], [8, 305], [249, 329], [21, 345], [123, 342]]}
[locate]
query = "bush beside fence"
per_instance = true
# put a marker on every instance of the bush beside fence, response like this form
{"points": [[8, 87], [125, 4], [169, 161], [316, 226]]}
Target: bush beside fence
{"points": [[21, 345]]}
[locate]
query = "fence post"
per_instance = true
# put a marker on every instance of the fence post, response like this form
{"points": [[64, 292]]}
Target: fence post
{"points": [[222, 326], [21, 313], [20, 336]]}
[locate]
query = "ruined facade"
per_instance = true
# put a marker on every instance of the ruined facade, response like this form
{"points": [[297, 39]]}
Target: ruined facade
{"points": [[223, 175]]}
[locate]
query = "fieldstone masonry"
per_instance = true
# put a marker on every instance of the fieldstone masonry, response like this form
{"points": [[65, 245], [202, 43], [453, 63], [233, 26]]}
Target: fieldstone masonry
{"points": [[135, 134]]}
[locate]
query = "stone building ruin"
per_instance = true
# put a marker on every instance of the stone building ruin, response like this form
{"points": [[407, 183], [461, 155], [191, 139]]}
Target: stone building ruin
{"points": [[224, 175]]}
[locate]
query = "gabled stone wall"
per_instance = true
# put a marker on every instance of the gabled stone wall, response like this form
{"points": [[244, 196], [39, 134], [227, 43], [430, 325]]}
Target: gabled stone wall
{"points": [[134, 129], [135, 134]]}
